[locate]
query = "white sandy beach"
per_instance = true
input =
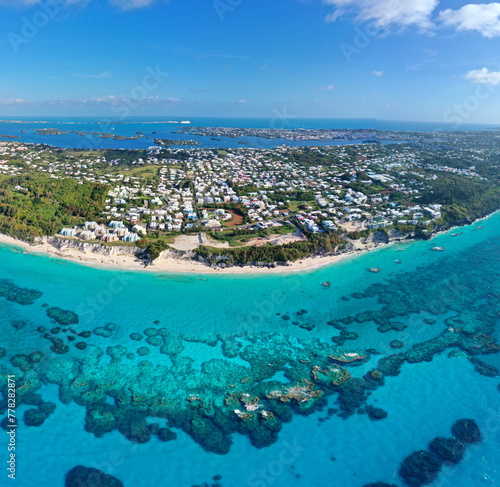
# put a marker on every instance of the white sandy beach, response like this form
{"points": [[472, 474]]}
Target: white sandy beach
{"points": [[166, 264]]}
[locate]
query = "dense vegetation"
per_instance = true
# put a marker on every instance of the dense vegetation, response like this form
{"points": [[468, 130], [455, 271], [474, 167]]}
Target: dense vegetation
{"points": [[153, 246], [317, 244], [42, 206], [463, 199]]}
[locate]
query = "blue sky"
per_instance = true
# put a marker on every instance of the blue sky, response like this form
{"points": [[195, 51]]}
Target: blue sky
{"points": [[425, 60]]}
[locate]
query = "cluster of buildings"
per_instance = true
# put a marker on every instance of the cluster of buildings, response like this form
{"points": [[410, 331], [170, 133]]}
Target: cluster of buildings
{"points": [[174, 190]]}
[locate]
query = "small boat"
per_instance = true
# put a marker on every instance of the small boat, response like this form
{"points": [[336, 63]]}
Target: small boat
{"points": [[326, 284], [374, 269], [457, 234], [480, 227], [438, 249], [401, 250], [399, 261]]}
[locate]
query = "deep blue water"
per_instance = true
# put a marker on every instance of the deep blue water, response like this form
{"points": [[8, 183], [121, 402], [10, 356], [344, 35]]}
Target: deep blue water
{"points": [[332, 445], [131, 126]]}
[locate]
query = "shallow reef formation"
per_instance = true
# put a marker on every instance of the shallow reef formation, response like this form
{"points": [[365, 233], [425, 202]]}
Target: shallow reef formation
{"points": [[466, 430], [423, 466], [10, 291], [90, 477], [449, 450], [419, 468], [62, 316], [148, 383]]}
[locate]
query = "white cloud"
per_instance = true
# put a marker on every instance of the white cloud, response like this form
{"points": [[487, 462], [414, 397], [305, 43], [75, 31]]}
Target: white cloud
{"points": [[31, 3], [117, 100], [131, 4], [378, 73], [15, 101], [401, 13], [482, 17], [121, 4], [484, 76], [327, 88]]}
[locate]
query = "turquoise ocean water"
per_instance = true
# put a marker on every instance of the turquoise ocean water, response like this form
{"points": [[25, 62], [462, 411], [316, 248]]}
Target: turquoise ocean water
{"points": [[224, 328]]}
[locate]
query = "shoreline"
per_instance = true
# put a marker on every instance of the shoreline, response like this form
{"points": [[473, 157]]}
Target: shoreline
{"points": [[171, 265], [128, 262]]}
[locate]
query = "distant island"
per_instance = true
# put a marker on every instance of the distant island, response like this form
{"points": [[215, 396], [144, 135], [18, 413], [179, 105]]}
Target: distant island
{"points": [[168, 142]]}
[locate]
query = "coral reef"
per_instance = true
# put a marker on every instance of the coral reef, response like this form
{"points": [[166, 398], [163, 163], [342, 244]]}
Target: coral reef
{"points": [[466, 430], [448, 450], [419, 468], [19, 295], [81, 476], [63, 317]]}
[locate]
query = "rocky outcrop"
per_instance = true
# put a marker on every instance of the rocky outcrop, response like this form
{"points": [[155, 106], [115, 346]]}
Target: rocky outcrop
{"points": [[87, 247]]}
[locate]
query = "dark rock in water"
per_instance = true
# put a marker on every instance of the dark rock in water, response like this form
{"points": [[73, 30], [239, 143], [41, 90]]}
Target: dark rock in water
{"points": [[150, 332], [101, 419], [85, 334], [47, 407], [32, 399], [379, 484], [352, 395], [55, 331], [22, 362], [136, 336], [396, 344], [133, 425], [62, 316], [285, 317], [102, 331], [155, 341], [165, 434], [483, 368], [307, 326], [116, 352], [358, 295], [81, 476], [344, 336], [81, 345], [391, 326], [35, 357], [466, 430], [110, 326], [419, 468], [345, 298], [449, 450], [34, 417], [12, 292], [19, 324], [391, 365], [376, 414], [41, 329], [429, 321], [3, 352], [142, 351]]}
